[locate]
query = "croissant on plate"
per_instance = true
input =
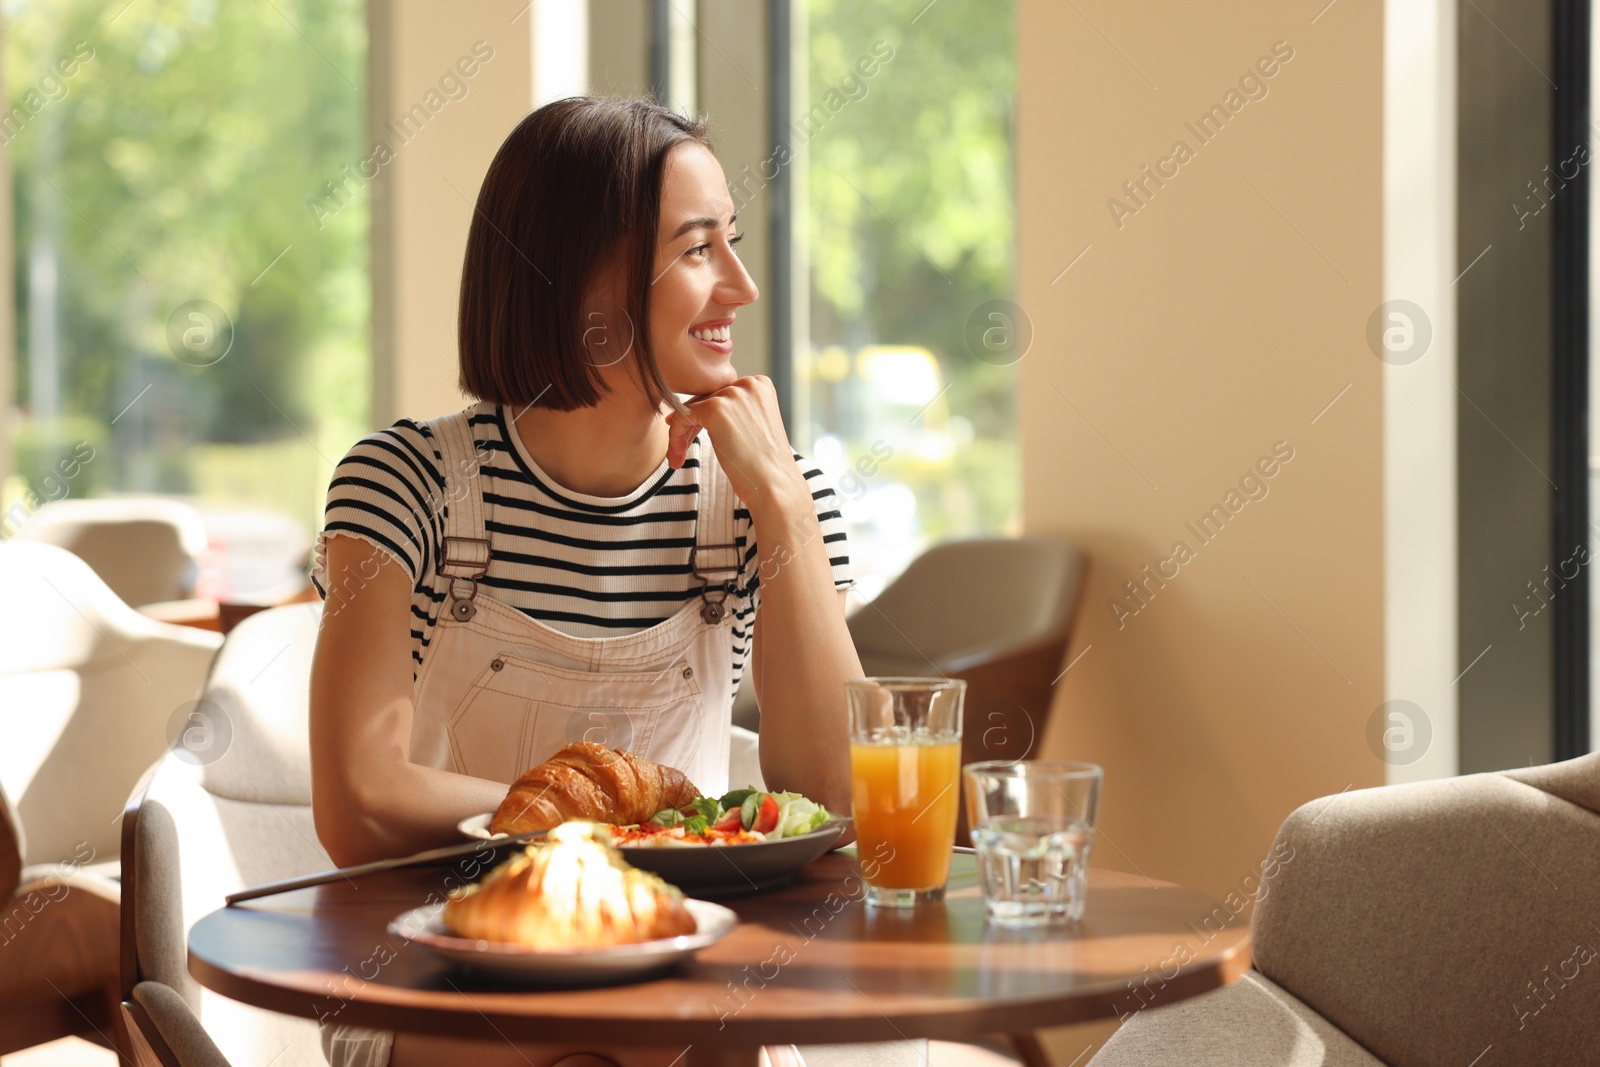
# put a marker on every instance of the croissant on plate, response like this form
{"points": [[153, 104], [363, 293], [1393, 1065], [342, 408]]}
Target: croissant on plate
{"points": [[589, 781], [572, 890]]}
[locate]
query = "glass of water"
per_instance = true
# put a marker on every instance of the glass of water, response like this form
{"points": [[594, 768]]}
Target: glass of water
{"points": [[1032, 826]]}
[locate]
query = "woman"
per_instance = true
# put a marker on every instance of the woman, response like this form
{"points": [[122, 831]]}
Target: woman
{"points": [[578, 533]]}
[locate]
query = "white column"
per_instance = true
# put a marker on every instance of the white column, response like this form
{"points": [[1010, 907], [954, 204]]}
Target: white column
{"points": [[560, 50], [1420, 265], [8, 322]]}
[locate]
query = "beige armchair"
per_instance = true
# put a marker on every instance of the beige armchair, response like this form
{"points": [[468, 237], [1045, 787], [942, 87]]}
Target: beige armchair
{"points": [[200, 828], [88, 687], [1443, 922], [147, 549]]}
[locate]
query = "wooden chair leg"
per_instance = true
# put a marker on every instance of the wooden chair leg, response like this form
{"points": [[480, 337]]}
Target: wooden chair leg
{"points": [[1030, 1050], [119, 1026], [145, 1044]]}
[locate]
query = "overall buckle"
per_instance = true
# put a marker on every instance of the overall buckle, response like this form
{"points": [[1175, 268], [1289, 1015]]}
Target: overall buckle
{"points": [[713, 610], [462, 608]]}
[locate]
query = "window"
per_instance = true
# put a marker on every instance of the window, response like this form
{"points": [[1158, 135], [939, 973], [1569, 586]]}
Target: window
{"points": [[190, 248], [906, 393]]}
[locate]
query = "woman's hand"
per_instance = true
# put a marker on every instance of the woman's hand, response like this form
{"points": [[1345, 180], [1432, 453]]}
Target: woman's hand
{"points": [[747, 432]]}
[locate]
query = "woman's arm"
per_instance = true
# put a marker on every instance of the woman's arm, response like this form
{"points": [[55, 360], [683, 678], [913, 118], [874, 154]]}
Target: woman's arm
{"points": [[805, 734], [802, 652], [369, 800]]}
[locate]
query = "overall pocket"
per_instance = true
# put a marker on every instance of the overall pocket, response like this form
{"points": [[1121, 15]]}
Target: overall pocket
{"points": [[490, 727], [520, 712]]}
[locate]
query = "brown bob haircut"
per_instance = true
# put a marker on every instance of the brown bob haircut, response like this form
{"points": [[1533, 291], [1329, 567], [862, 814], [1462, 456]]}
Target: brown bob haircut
{"points": [[574, 189]]}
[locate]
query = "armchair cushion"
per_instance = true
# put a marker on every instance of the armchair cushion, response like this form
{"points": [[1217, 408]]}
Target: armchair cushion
{"points": [[1425, 923], [1575, 780], [12, 845], [177, 1027], [1252, 1021]]}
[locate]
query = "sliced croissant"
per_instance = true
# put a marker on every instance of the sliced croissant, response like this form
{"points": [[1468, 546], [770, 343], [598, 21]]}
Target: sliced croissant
{"points": [[571, 890]]}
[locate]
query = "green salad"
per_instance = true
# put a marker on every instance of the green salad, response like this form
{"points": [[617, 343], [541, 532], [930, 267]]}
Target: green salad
{"points": [[773, 815]]}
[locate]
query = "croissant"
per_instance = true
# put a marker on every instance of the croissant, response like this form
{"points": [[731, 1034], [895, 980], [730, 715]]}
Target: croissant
{"points": [[589, 781], [571, 890]]}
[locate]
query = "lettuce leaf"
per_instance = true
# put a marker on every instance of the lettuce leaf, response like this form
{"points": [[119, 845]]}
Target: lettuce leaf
{"points": [[708, 809], [797, 815]]}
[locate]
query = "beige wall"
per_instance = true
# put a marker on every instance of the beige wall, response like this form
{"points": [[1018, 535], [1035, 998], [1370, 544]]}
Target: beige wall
{"points": [[619, 47], [422, 198], [1220, 318]]}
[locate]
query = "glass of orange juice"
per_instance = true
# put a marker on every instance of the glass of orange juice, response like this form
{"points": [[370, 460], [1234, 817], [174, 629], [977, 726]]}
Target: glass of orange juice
{"points": [[905, 770]]}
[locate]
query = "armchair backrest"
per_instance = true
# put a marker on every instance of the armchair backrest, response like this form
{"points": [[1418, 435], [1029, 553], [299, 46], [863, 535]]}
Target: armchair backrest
{"points": [[1432, 920], [969, 597], [148, 549], [88, 687]]}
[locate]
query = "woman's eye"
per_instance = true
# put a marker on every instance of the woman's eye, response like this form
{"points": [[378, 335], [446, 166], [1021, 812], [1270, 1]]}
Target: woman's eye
{"points": [[700, 250]]}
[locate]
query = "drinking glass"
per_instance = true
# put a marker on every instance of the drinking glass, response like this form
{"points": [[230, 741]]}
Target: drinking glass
{"points": [[1032, 827], [905, 782]]}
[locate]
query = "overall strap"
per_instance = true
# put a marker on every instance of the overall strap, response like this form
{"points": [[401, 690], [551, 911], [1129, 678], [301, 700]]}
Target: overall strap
{"points": [[464, 554], [715, 558]]}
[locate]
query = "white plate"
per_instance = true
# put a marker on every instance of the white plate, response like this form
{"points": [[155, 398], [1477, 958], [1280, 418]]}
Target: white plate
{"points": [[566, 966], [478, 826], [714, 870]]}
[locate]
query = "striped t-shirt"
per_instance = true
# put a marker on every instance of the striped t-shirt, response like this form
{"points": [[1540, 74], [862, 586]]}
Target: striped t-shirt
{"points": [[586, 565]]}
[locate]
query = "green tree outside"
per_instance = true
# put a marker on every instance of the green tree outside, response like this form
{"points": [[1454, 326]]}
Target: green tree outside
{"points": [[175, 165], [912, 228]]}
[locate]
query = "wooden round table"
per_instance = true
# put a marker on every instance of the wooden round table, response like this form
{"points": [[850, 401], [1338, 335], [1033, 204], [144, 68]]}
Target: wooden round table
{"points": [[810, 964]]}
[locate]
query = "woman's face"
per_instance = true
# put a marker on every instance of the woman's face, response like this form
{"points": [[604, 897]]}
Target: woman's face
{"points": [[699, 281]]}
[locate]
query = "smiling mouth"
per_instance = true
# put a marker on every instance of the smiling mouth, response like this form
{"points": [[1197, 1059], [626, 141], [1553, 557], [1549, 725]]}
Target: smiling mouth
{"points": [[712, 333]]}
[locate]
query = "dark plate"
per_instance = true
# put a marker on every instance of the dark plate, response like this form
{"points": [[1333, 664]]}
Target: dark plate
{"points": [[716, 870]]}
